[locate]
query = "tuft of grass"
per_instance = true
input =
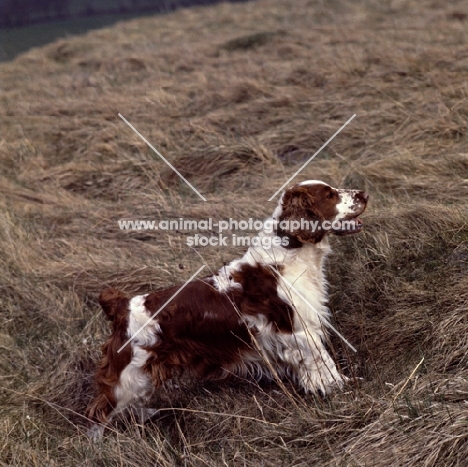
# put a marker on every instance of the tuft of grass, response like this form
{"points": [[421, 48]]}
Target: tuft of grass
{"points": [[251, 41]]}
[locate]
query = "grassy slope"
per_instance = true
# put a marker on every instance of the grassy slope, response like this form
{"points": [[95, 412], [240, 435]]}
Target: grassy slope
{"points": [[226, 105]]}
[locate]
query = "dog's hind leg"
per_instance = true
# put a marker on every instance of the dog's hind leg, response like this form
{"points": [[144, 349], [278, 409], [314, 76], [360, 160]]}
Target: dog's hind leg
{"points": [[133, 389]]}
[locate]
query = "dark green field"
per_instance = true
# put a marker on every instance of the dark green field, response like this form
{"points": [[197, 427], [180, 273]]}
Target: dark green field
{"points": [[14, 41], [29, 24]]}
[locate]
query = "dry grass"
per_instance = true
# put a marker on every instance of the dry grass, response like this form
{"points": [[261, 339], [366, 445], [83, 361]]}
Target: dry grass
{"points": [[237, 96]]}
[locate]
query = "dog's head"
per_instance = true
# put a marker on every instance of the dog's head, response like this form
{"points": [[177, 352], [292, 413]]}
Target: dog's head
{"points": [[311, 209]]}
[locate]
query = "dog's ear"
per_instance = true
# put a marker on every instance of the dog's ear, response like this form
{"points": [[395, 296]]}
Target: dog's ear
{"points": [[114, 303], [300, 217]]}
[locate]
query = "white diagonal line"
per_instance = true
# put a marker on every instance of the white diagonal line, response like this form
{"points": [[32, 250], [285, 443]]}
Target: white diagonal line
{"points": [[311, 158], [162, 157], [152, 317], [313, 308]]}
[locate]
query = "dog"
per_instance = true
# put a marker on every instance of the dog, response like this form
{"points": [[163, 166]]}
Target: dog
{"points": [[263, 315]]}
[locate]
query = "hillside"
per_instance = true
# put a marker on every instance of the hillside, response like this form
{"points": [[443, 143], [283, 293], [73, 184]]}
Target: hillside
{"points": [[237, 97]]}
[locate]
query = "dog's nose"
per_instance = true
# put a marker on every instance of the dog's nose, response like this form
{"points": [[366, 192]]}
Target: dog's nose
{"points": [[363, 195]]}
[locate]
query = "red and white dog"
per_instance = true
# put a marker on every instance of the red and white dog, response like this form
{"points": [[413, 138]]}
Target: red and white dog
{"points": [[262, 315]]}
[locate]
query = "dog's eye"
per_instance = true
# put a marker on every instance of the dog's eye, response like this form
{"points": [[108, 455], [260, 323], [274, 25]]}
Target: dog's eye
{"points": [[331, 194]]}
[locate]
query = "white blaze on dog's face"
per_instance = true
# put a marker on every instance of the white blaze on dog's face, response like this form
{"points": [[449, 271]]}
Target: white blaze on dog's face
{"points": [[352, 203], [318, 202]]}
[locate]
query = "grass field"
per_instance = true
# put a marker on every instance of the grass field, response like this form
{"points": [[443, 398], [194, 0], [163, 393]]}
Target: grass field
{"points": [[237, 97]]}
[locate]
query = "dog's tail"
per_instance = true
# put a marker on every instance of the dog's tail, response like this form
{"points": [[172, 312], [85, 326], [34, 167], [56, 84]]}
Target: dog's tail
{"points": [[114, 304]]}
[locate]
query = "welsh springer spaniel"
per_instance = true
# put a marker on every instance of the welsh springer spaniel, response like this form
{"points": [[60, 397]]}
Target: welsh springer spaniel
{"points": [[262, 315]]}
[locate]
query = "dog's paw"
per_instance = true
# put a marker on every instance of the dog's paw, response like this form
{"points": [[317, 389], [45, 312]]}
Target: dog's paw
{"points": [[96, 432]]}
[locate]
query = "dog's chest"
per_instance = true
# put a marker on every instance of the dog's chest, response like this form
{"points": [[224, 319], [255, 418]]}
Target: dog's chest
{"points": [[305, 287]]}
